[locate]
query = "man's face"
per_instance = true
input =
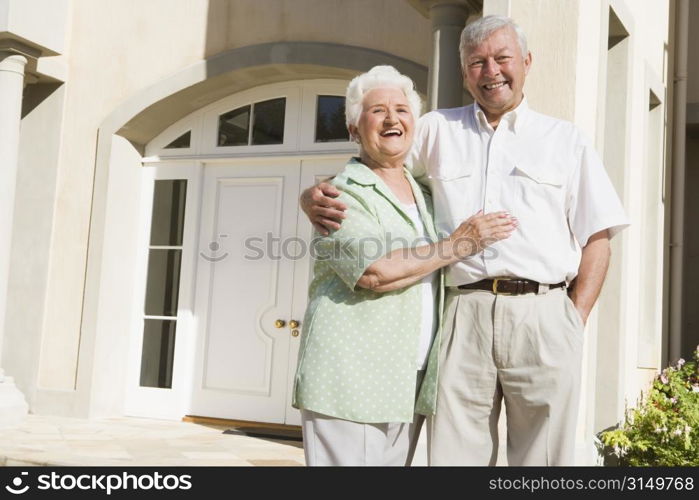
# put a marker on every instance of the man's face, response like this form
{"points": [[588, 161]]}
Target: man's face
{"points": [[494, 73]]}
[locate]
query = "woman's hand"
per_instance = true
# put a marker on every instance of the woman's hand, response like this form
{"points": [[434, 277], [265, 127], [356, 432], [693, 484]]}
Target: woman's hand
{"points": [[321, 207], [481, 230]]}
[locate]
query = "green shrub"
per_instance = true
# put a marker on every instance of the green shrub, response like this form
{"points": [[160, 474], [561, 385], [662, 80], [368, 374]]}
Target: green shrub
{"points": [[664, 428]]}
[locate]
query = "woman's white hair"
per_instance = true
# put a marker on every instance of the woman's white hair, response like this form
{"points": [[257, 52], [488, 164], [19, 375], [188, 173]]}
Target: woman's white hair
{"points": [[478, 31], [378, 77]]}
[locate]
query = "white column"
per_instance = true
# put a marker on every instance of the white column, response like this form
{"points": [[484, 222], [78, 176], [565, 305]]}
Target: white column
{"points": [[445, 87], [13, 406]]}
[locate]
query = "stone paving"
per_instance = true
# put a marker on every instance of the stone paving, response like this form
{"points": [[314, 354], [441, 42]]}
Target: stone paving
{"points": [[129, 441]]}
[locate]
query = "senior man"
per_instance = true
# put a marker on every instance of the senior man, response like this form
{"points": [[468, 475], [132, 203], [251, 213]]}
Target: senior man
{"points": [[514, 317]]}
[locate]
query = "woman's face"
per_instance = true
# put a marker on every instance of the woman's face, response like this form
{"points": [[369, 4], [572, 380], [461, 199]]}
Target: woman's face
{"points": [[386, 125]]}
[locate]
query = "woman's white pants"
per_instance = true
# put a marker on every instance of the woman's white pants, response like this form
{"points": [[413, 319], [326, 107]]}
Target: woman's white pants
{"points": [[333, 441]]}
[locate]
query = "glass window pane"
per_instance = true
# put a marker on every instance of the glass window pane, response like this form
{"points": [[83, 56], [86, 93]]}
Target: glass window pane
{"points": [[330, 119], [163, 282], [158, 353], [268, 123], [234, 127], [182, 141], [167, 219]]}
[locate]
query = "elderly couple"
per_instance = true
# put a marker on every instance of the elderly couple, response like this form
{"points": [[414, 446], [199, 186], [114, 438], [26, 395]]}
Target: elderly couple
{"points": [[389, 337]]}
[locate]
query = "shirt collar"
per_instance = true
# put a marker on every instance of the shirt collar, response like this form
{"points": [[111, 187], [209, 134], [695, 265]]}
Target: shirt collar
{"points": [[513, 119], [361, 174]]}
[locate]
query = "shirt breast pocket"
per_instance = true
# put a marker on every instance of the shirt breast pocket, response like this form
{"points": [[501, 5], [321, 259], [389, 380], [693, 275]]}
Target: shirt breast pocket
{"points": [[538, 188], [451, 194]]}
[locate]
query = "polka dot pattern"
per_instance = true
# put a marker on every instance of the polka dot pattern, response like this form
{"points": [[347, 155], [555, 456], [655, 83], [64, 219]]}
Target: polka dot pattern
{"points": [[358, 347]]}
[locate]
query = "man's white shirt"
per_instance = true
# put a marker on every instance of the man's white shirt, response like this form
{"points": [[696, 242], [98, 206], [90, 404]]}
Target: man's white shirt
{"points": [[539, 169]]}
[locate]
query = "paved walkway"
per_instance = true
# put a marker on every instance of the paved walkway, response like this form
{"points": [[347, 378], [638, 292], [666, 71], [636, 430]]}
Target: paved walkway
{"points": [[127, 441]]}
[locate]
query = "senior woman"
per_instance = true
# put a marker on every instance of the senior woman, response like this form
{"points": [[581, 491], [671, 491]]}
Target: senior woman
{"points": [[372, 312]]}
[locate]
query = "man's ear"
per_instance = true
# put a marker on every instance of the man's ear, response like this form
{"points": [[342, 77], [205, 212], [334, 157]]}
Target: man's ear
{"points": [[527, 63]]}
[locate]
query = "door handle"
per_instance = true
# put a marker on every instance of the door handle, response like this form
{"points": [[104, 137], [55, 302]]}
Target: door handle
{"points": [[280, 323], [294, 324]]}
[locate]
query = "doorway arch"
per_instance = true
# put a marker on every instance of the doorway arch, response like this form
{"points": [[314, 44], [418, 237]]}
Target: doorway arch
{"points": [[140, 119], [216, 267]]}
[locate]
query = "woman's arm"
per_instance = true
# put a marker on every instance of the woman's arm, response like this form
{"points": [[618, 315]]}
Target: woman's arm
{"points": [[405, 266]]}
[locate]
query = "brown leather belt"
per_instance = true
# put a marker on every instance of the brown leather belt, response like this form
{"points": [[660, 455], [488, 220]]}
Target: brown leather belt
{"points": [[510, 286]]}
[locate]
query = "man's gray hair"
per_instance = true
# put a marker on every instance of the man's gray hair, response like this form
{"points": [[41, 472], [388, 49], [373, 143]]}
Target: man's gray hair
{"points": [[478, 31], [378, 77]]}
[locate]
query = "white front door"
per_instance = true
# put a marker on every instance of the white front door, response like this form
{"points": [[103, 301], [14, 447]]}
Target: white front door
{"points": [[253, 270], [312, 172]]}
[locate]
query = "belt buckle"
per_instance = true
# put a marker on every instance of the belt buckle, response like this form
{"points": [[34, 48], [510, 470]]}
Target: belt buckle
{"points": [[495, 287]]}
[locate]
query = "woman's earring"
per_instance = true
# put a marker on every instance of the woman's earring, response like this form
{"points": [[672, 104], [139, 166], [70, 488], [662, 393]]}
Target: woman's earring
{"points": [[356, 139]]}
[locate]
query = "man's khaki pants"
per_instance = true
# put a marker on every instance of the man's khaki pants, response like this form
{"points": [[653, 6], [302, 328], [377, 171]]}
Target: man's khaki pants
{"points": [[525, 348]]}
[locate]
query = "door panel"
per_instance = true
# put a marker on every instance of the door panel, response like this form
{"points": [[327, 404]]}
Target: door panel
{"points": [[241, 368], [312, 172], [161, 402], [240, 347]]}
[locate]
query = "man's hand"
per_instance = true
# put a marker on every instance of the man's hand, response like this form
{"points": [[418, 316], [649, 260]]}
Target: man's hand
{"points": [[591, 273], [321, 207]]}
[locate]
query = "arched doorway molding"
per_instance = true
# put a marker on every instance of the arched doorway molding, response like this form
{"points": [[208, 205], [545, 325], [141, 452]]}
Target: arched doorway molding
{"points": [[140, 119], [147, 114]]}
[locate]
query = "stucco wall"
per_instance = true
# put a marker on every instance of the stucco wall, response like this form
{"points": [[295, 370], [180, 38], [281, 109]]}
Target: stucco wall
{"points": [[39, 147], [691, 249], [551, 27], [693, 67], [46, 32], [116, 49], [691, 252], [571, 78], [389, 25]]}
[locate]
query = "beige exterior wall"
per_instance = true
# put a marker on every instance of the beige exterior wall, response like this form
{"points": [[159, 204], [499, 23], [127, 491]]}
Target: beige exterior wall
{"points": [[691, 257], [693, 50], [625, 75], [605, 92], [48, 30], [552, 28], [116, 50], [387, 25], [105, 67], [691, 252], [40, 143], [119, 48], [641, 273]]}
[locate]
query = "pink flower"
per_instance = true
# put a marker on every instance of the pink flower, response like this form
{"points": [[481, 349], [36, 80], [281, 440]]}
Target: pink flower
{"points": [[663, 378], [680, 362]]}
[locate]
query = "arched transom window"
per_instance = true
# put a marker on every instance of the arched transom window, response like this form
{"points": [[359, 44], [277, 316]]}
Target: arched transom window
{"points": [[302, 116]]}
